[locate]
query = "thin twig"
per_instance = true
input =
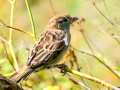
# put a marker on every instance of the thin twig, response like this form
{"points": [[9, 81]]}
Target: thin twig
{"points": [[106, 7], [81, 28], [52, 6], [77, 64], [117, 40], [88, 43], [84, 78], [103, 14], [16, 29], [71, 78], [108, 65], [7, 54], [91, 78], [89, 69], [3, 39], [111, 22], [115, 37], [11, 32], [31, 19]]}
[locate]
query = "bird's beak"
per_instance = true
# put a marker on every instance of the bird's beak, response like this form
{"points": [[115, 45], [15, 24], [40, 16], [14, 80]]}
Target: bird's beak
{"points": [[73, 19]]}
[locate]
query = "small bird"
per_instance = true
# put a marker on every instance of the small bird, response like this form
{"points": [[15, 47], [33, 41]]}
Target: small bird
{"points": [[50, 47]]}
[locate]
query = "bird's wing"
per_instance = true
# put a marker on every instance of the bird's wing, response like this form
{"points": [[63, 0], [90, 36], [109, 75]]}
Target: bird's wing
{"points": [[48, 46]]}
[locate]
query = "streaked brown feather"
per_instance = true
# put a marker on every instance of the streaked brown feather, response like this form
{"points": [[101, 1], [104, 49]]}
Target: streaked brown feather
{"points": [[51, 43]]}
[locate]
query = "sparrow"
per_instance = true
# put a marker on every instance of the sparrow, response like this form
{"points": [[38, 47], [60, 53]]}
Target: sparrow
{"points": [[49, 49]]}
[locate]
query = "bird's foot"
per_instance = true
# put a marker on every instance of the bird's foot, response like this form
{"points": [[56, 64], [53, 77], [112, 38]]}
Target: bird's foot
{"points": [[62, 67]]}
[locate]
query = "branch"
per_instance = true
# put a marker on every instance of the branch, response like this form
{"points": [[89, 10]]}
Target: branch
{"points": [[3, 40], [107, 64], [17, 29], [102, 82], [10, 38], [31, 19], [52, 7], [6, 84], [74, 80]]}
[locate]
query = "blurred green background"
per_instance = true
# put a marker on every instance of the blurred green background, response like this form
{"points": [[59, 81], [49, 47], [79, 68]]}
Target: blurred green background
{"points": [[42, 12]]}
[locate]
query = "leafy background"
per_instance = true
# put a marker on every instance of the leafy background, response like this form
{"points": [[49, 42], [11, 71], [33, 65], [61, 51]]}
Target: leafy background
{"points": [[42, 11]]}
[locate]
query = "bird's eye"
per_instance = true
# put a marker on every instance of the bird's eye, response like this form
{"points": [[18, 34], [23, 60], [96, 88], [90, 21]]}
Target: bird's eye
{"points": [[64, 20]]}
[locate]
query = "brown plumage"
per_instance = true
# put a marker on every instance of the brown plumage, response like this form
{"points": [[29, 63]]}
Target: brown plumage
{"points": [[50, 47]]}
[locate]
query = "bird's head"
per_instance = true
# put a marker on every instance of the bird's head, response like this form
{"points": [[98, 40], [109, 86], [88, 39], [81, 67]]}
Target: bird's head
{"points": [[61, 21]]}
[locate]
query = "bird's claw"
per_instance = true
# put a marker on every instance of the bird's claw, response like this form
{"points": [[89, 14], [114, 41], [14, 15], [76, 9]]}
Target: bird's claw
{"points": [[62, 67]]}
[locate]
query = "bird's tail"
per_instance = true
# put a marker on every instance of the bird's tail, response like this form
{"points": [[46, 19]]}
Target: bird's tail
{"points": [[23, 73]]}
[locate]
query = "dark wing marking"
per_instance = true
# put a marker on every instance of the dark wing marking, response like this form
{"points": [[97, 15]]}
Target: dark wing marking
{"points": [[35, 48], [43, 58], [51, 45]]}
